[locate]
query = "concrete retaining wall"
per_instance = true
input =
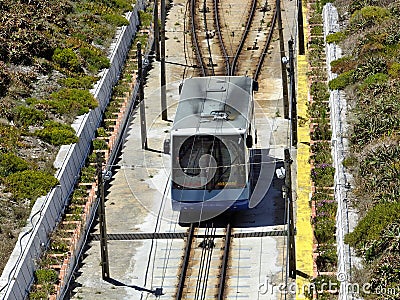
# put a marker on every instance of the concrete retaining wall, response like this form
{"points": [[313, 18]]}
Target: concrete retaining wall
{"points": [[18, 274], [338, 111]]}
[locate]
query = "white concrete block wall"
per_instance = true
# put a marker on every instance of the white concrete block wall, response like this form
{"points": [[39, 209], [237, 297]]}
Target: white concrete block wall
{"points": [[338, 110], [18, 274]]}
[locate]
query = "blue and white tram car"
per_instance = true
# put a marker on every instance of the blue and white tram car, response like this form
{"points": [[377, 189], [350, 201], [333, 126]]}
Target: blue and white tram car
{"points": [[210, 140]]}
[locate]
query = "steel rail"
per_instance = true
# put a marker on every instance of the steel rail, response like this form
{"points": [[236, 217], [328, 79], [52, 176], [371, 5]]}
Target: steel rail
{"points": [[244, 36], [210, 60], [225, 54], [266, 46], [221, 289], [195, 38], [205, 263], [200, 282], [185, 264]]}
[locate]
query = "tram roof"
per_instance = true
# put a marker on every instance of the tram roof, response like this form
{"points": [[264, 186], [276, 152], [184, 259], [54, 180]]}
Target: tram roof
{"points": [[218, 102]]}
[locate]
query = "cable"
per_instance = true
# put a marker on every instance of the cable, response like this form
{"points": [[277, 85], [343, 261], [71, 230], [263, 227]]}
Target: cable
{"points": [[20, 243], [162, 204]]}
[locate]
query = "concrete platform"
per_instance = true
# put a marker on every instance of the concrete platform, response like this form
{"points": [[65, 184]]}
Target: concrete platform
{"points": [[137, 196]]}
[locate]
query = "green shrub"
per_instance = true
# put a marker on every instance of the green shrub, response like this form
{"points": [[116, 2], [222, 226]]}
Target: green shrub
{"points": [[321, 146], [368, 15], [88, 174], [323, 175], [57, 134], [315, 57], [327, 258], [319, 91], [315, 19], [316, 42], [67, 58], [142, 38], [116, 20], [317, 30], [145, 19], [324, 230], [92, 158], [322, 196], [9, 137], [322, 156], [75, 210], [340, 82], [326, 208], [44, 276], [94, 58], [318, 109], [26, 116], [101, 132], [376, 82], [378, 78], [319, 4], [59, 247], [120, 89], [335, 37], [29, 184], [123, 5], [371, 226], [370, 65], [81, 82], [321, 133], [394, 70], [11, 163], [99, 145], [72, 101], [38, 295], [80, 192]]}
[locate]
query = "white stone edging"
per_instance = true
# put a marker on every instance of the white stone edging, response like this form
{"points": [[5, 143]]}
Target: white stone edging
{"points": [[338, 109]]}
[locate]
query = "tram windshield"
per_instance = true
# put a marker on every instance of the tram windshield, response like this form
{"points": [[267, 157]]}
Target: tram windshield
{"points": [[208, 162]]}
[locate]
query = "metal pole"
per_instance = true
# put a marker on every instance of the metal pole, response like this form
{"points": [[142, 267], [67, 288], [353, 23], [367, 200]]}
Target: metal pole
{"points": [[164, 113], [105, 269], [290, 217], [143, 129], [300, 27], [156, 31], [283, 65], [293, 94]]}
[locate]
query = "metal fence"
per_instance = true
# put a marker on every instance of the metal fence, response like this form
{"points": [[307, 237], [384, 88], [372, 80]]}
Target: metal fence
{"points": [[18, 274]]}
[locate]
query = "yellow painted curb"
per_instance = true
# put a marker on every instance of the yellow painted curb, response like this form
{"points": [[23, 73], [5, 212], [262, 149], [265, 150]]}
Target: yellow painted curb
{"points": [[304, 236]]}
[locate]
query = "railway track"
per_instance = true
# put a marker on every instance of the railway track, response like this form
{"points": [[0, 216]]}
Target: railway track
{"points": [[210, 52], [209, 252], [217, 46], [204, 267], [256, 40]]}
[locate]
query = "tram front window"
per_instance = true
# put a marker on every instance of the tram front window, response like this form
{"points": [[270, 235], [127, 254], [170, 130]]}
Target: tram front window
{"points": [[208, 162]]}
